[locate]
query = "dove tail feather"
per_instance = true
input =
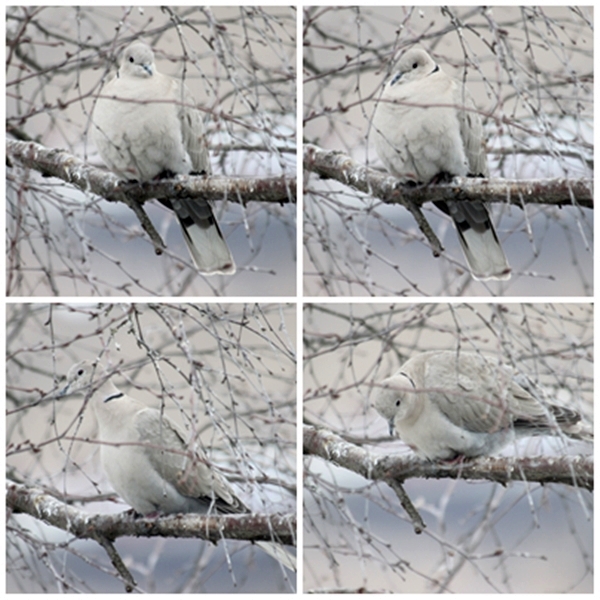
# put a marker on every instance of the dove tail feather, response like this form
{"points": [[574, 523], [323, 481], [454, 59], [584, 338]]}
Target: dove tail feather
{"points": [[484, 253], [208, 248], [204, 239]]}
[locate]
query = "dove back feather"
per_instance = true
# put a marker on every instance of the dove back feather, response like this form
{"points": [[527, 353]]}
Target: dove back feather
{"points": [[445, 404]]}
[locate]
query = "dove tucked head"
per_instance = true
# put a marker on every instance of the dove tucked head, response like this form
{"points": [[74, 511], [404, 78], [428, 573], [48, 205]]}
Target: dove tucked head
{"points": [[396, 399], [138, 60], [414, 64]]}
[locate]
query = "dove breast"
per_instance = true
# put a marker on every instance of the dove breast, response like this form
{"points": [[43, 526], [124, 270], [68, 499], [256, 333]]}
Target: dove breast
{"points": [[417, 124], [141, 120]]}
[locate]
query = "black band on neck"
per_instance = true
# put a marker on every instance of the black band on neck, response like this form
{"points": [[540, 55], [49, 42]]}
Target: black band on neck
{"points": [[117, 395], [409, 378]]}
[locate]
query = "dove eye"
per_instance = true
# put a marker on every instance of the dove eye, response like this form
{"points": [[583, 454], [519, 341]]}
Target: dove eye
{"points": [[415, 65], [80, 372], [397, 402], [131, 59]]}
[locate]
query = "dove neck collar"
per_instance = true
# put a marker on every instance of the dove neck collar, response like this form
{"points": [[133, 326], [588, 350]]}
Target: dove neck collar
{"points": [[409, 378], [113, 397]]}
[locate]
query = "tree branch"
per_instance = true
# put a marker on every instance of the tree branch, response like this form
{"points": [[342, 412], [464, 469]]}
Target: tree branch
{"points": [[41, 505], [568, 470], [117, 562], [331, 164], [52, 162]]}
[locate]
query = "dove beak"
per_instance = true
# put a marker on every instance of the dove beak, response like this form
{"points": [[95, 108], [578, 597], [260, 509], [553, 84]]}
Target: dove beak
{"points": [[391, 426], [396, 78], [148, 69]]}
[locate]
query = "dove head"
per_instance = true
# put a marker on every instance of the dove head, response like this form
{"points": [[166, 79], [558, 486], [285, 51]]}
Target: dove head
{"points": [[395, 398], [80, 378], [414, 64], [138, 60]]}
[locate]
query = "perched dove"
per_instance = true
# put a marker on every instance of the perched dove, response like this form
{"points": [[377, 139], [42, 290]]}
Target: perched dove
{"points": [[147, 460], [446, 405], [426, 128], [146, 127]]}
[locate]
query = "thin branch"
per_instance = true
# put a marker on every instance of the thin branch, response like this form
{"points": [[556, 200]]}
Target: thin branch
{"points": [[117, 562], [407, 505]]}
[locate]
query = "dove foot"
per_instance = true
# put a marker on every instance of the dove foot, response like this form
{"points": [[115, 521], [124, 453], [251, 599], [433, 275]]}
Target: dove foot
{"points": [[442, 177], [166, 174]]}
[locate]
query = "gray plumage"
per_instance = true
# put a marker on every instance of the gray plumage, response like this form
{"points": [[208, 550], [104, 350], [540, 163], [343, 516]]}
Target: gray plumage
{"points": [[445, 405], [146, 126], [148, 461], [426, 128]]}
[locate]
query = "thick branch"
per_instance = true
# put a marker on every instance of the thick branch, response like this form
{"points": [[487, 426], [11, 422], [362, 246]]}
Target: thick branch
{"points": [[41, 505], [52, 162], [568, 470], [331, 164]]}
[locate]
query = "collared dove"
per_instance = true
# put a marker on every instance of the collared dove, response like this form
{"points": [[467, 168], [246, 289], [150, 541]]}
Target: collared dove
{"points": [[146, 126], [426, 128], [445, 405], [147, 460]]}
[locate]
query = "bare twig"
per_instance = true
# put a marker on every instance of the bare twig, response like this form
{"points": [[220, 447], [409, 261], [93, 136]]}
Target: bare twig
{"points": [[117, 561], [407, 505]]}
